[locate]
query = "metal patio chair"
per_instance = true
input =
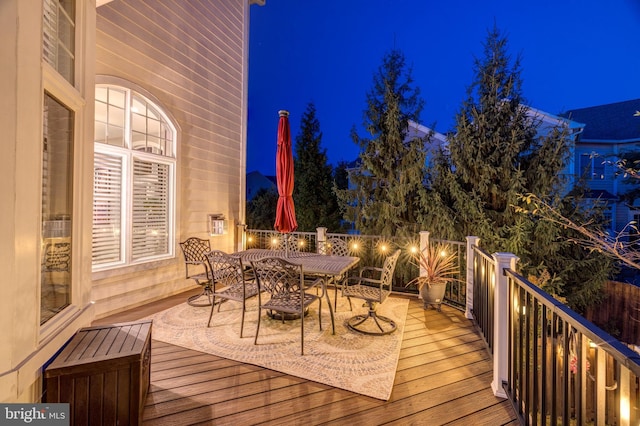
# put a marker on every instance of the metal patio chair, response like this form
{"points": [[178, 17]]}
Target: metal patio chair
{"points": [[288, 290], [234, 282], [194, 250], [373, 290]]}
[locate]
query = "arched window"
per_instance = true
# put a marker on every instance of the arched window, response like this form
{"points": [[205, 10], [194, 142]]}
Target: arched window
{"points": [[134, 179]]}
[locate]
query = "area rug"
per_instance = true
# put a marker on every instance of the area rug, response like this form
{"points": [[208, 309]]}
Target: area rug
{"points": [[348, 360]]}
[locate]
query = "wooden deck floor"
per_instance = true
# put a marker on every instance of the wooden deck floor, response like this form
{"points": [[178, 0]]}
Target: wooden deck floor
{"points": [[443, 377]]}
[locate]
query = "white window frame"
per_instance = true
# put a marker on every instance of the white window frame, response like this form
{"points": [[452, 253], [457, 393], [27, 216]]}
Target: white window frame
{"points": [[59, 38], [70, 93], [128, 156], [590, 174]]}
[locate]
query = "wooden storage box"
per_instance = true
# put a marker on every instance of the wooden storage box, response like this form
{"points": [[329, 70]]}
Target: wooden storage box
{"points": [[103, 373]]}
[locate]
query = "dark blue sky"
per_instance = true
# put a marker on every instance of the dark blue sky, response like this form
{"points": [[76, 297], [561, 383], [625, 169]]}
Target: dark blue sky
{"points": [[575, 54]]}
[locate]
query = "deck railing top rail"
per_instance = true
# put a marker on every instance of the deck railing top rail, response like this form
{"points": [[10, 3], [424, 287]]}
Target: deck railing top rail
{"points": [[619, 351]]}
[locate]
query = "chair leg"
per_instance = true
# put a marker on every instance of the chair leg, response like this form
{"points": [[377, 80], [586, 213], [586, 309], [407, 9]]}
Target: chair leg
{"points": [[302, 334], [255, 340], [242, 320], [356, 321], [211, 315], [206, 291]]}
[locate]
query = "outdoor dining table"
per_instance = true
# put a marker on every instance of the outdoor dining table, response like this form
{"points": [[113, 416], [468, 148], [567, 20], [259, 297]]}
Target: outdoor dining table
{"points": [[328, 267]]}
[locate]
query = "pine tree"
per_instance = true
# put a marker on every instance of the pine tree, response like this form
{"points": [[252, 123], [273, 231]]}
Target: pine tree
{"points": [[261, 209], [341, 175], [494, 156], [315, 201], [389, 182]]}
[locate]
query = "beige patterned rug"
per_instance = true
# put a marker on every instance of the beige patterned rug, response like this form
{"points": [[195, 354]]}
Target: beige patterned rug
{"points": [[348, 360]]}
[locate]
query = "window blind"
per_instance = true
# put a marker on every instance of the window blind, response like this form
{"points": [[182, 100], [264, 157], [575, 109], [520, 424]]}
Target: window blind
{"points": [[107, 209], [150, 209]]}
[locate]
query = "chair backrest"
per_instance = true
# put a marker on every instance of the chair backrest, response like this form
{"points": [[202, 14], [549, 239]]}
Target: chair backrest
{"points": [[338, 247], [288, 242], [194, 250], [388, 268], [225, 269], [277, 276], [57, 257]]}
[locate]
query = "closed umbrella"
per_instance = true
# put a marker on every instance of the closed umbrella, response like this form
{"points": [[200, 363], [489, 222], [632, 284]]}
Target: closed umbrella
{"points": [[285, 211]]}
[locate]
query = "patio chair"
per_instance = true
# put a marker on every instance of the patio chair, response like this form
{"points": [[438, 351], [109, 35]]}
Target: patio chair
{"points": [[288, 290], [373, 285], [338, 247], [56, 270], [194, 250], [288, 242], [235, 283]]}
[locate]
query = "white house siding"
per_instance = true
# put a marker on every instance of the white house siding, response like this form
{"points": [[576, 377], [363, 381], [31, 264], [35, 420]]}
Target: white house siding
{"points": [[26, 346], [615, 184], [191, 57]]}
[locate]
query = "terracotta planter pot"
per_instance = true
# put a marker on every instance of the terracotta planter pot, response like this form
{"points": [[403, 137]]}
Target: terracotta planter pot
{"points": [[433, 295]]}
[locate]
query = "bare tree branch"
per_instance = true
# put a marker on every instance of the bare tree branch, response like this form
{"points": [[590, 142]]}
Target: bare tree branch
{"points": [[592, 238]]}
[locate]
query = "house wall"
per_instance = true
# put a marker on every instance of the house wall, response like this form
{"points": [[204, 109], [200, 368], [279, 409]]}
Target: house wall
{"points": [[192, 58], [27, 346], [613, 182]]}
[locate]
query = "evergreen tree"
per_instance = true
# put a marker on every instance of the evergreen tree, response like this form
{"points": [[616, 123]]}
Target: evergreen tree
{"points": [[261, 209], [496, 154], [316, 203], [389, 182], [341, 175]]}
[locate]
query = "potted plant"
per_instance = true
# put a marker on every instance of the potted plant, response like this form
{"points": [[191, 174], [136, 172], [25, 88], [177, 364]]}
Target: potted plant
{"points": [[438, 266]]}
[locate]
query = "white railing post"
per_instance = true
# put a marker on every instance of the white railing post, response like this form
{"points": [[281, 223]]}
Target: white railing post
{"points": [[424, 245], [321, 240], [471, 241], [501, 321], [242, 236]]}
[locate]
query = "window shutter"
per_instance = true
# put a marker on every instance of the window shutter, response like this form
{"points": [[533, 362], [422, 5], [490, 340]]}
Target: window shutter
{"points": [[150, 209], [107, 208]]}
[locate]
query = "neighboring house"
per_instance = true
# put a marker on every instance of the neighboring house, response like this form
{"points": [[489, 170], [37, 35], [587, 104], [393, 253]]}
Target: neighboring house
{"points": [[609, 131], [257, 181], [124, 127]]}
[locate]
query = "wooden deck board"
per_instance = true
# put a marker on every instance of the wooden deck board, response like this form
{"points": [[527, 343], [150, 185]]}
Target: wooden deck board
{"points": [[443, 377]]}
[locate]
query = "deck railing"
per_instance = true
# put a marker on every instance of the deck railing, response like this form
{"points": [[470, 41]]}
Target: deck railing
{"points": [[556, 367], [484, 275], [371, 249]]}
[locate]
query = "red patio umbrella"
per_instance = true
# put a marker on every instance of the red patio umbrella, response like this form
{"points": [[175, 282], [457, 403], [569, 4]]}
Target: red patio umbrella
{"points": [[285, 211]]}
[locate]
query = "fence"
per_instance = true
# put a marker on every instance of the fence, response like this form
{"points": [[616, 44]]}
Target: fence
{"points": [[371, 249]]}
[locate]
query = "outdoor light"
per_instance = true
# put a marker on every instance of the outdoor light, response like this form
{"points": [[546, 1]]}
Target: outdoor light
{"points": [[274, 242], [217, 224], [414, 249], [383, 248]]}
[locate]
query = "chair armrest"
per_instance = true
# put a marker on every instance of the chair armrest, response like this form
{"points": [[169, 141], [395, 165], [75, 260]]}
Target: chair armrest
{"points": [[371, 271], [314, 282], [370, 268], [365, 281]]}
